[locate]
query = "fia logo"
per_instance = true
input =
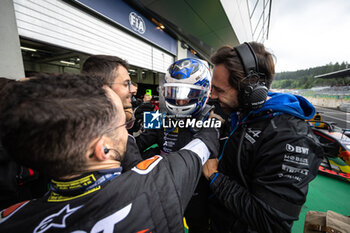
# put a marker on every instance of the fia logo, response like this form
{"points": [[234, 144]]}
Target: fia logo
{"points": [[137, 23], [152, 120]]}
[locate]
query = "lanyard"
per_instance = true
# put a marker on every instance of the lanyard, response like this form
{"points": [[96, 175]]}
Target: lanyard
{"points": [[244, 120], [233, 130]]}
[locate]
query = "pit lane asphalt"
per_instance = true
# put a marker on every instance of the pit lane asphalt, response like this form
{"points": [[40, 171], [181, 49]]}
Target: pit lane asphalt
{"points": [[342, 119]]}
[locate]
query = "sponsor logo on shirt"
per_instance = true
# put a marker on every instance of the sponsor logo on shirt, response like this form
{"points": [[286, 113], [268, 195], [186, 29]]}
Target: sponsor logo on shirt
{"points": [[297, 149], [56, 220], [296, 159], [291, 169], [104, 225], [249, 138]]}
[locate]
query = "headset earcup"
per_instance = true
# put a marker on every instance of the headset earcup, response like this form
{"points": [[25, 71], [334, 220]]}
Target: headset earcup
{"points": [[253, 97], [258, 96]]}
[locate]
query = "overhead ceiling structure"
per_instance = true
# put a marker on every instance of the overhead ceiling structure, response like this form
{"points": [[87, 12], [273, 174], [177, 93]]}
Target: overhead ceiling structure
{"points": [[49, 54], [201, 27], [202, 24], [336, 74]]}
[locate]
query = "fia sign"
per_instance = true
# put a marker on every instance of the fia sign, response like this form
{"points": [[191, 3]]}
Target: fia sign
{"points": [[137, 23]]}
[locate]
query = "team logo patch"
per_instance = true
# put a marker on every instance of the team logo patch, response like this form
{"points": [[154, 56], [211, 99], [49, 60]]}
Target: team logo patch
{"points": [[6, 213], [147, 165], [254, 132]]}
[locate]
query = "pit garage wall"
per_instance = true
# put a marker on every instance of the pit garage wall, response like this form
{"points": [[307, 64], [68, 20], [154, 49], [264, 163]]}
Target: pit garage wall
{"points": [[11, 63], [59, 23]]}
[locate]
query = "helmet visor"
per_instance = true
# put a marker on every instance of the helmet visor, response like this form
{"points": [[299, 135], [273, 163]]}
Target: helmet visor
{"points": [[183, 94]]}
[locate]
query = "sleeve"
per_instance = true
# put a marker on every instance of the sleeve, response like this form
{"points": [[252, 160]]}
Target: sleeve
{"points": [[132, 155], [186, 167], [147, 139], [210, 137], [284, 164]]}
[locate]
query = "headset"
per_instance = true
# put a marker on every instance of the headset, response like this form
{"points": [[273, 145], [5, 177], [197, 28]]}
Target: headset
{"points": [[252, 96]]}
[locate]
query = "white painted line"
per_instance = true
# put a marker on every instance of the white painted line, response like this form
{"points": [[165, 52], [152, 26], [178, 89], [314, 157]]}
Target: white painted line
{"points": [[336, 118], [331, 110]]}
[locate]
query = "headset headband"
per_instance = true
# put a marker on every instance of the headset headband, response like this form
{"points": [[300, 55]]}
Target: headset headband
{"points": [[248, 58]]}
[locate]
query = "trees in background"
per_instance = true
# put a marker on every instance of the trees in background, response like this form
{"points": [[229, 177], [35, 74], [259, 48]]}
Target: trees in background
{"points": [[304, 79]]}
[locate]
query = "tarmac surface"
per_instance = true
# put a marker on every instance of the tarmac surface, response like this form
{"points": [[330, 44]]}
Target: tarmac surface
{"points": [[342, 119]]}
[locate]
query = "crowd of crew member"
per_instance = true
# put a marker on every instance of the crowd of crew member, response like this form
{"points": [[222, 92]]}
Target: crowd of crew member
{"points": [[69, 164]]}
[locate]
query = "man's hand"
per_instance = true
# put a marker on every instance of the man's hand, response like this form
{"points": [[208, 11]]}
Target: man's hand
{"points": [[210, 167], [216, 116]]}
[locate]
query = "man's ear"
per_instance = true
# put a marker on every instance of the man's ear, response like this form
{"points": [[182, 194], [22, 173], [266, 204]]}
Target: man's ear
{"points": [[99, 150]]}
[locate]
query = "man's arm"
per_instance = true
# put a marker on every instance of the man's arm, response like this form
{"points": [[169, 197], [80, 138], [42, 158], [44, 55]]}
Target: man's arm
{"points": [[186, 164]]}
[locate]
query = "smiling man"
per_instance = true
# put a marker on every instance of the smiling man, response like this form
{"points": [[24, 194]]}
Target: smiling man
{"points": [[113, 71], [72, 128], [270, 154]]}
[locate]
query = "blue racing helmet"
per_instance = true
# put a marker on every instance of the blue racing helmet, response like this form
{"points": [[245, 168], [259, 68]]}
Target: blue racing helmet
{"points": [[186, 87]]}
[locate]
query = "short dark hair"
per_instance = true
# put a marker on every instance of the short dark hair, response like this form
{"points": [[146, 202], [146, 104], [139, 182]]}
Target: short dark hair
{"points": [[104, 67], [48, 122], [134, 84], [4, 82], [228, 56]]}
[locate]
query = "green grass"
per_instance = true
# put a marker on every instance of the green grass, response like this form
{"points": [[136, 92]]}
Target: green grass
{"points": [[325, 193]]}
